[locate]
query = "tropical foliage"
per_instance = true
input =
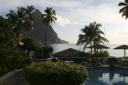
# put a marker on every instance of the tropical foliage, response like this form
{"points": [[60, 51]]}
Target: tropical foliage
{"points": [[56, 73], [124, 9], [15, 43], [21, 20], [43, 52], [11, 59], [49, 17], [14, 24], [112, 62], [29, 44], [103, 54], [7, 36], [83, 54], [91, 34]]}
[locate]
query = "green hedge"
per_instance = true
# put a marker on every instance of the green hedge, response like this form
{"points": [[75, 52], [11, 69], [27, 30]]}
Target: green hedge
{"points": [[56, 73], [11, 59]]}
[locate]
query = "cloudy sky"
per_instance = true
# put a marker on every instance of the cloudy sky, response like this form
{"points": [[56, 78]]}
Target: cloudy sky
{"points": [[75, 14]]}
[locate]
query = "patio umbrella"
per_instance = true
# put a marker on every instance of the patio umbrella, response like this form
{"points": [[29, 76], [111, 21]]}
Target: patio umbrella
{"points": [[124, 47], [98, 46]]}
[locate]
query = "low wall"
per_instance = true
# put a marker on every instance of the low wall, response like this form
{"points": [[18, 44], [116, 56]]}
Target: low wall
{"points": [[14, 78]]}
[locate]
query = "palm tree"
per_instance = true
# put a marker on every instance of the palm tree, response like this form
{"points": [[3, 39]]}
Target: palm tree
{"points": [[21, 20], [84, 38], [91, 35], [97, 34], [49, 17], [124, 9], [7, 36], [100, 39], [17, 20], [29, 19]]}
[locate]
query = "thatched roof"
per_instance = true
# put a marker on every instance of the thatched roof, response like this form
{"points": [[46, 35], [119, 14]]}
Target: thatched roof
{"points": [[98, 46], [66, 53], [122, 47]]}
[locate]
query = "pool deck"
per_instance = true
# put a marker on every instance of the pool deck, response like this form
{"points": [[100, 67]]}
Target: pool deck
{"points": [[107, 66]]}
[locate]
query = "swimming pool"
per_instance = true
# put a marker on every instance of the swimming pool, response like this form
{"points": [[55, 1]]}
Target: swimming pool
{"points": [[106, 76]]}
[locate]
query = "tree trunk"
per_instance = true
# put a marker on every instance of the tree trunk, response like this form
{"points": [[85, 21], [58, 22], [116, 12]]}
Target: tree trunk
{"points": [[19, 38], [95, 51], [28, 52], [124, 53], [91, 48], [45, 37]]}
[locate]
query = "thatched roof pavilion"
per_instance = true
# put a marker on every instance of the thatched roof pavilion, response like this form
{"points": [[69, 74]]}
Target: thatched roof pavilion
{"points": [[66, 53], [124, 47]]}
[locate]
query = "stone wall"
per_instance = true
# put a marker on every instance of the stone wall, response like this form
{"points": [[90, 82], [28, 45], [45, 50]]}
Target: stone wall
{"points": [[14, 78]]}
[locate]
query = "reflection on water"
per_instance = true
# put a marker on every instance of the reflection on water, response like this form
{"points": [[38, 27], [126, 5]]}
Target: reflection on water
{"points": [[104, 76]]}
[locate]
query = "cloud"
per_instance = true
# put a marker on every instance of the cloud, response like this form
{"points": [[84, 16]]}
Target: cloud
{"points": [[6, 4], [62, 21], [107, 14], [118, 38], [75, 14]]}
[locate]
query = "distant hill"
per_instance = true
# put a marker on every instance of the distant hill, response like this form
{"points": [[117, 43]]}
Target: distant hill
{"points": [[38, 30]]}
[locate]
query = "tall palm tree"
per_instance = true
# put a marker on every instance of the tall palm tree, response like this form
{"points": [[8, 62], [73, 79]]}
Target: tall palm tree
{"points": [[124, 9], [29, 19], [91, 35], [21, 20], [49, 17], [17, 20]]}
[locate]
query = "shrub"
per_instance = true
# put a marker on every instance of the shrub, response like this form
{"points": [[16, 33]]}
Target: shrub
{"points": [[30, 44], [56, 73], [43, 52], [103, 53], [11, 59], [83, 54], [112, 61]]}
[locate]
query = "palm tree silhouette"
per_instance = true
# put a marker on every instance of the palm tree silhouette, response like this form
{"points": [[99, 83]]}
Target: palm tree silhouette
{"points": [[7, 36], [91, 35], [49, 17], [124, 9], [21, 20]]}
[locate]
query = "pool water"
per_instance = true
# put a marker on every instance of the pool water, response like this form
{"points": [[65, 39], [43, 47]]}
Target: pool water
{"points": [[106, 76]]}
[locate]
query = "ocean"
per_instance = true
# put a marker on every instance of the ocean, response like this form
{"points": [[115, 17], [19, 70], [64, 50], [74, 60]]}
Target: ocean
{"points": [[112, 51]]}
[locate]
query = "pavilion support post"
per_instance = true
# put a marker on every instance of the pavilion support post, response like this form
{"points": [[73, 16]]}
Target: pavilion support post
{"points": [[91, 51], [124, 53]]}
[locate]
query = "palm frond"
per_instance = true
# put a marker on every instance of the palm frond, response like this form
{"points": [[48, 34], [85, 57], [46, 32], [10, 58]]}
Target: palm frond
{"points": [[122, 10], [122, 4]]}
